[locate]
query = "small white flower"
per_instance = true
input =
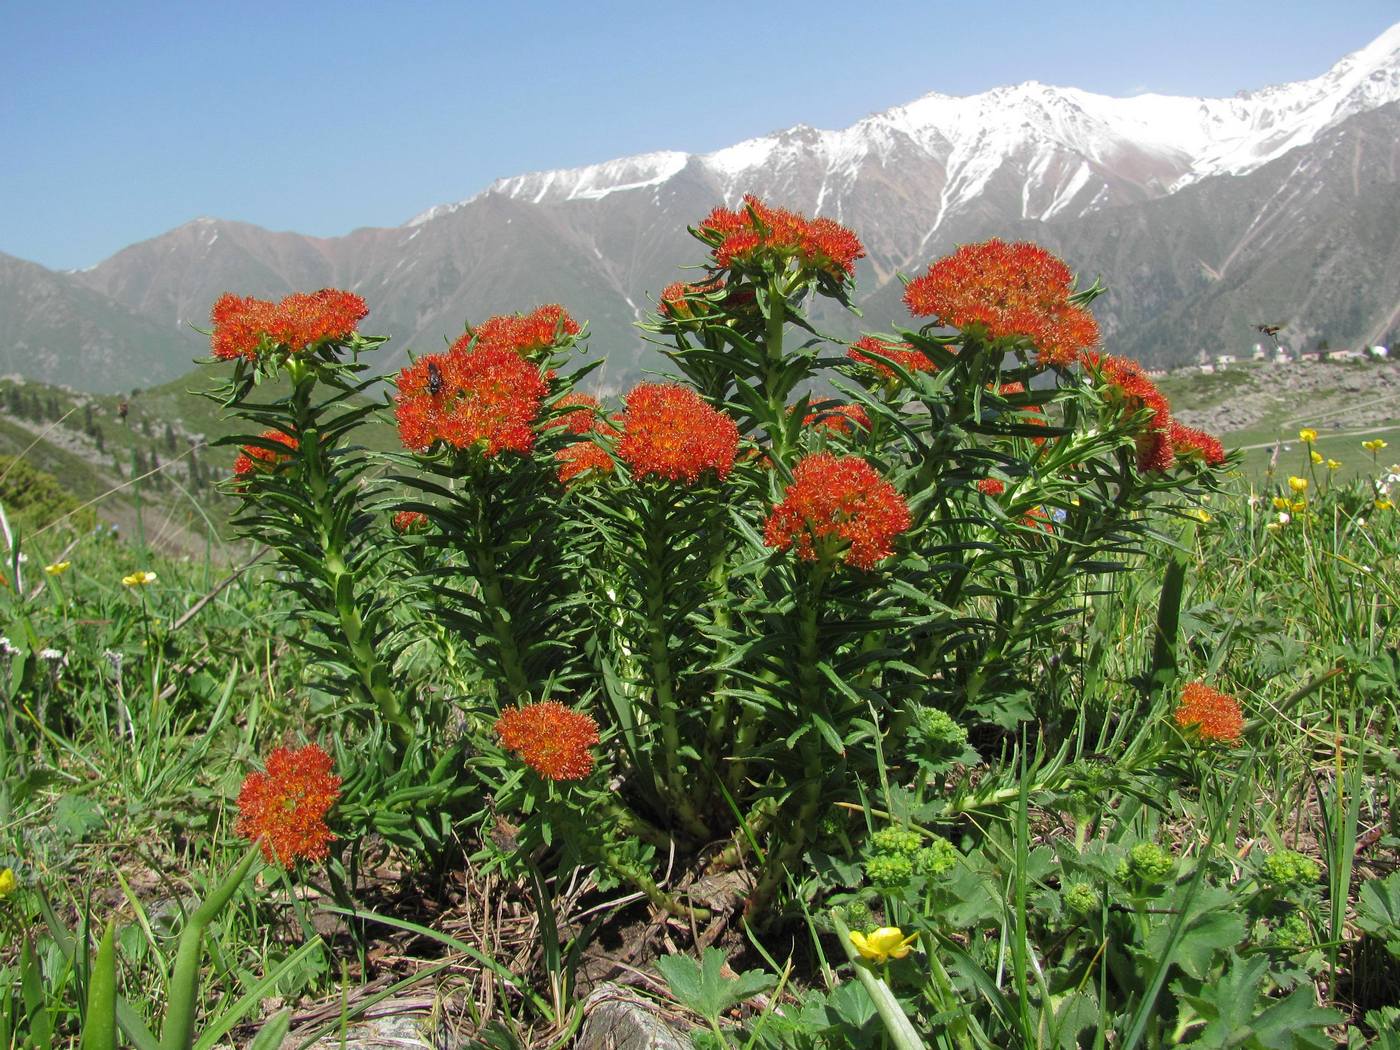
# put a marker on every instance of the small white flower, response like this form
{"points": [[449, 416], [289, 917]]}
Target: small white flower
{"points": [[6, 649], [53, 656], [1283, 517]]}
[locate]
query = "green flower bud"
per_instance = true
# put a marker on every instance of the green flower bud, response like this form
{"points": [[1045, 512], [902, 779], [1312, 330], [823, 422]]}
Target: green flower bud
{"points": [[1290, 870], [937, 858], [1146, 862], [858, 915], [936, 729], [1293, 933], [1081, 898], [889, 870], [899, 841]]}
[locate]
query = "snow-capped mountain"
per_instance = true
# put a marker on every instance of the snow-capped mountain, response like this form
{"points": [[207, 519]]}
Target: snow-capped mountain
{"points": [[1076, 151], [1205, 191]]}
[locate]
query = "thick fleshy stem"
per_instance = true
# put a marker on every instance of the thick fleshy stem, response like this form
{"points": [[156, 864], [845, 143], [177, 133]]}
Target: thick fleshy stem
{"points": [[662, 677], [802, 810], [373, 676]]}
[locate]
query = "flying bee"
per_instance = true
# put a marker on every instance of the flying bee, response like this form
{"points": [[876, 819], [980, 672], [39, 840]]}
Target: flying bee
{"points": [[434, 379], [1271, 330]]}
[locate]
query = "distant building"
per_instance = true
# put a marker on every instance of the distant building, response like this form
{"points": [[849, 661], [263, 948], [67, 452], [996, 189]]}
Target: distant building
{"points": [[1343, 355], [1259, 354], [1378, 351], [1224, 359]]}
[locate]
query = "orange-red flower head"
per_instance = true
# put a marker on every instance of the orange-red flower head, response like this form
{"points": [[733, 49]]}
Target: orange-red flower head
{"points": [[836, 505], [523, 334], [285, 807], [582, 457], [670, 432], [550, 738], [991, 487], [405, 521], [487, 397], [756, 229], [839, 420], [302, 320], [1213, 714], [1011, 291], [585, 416], [902, 354], [1127, 386], [256, 458], [1190, 443]]}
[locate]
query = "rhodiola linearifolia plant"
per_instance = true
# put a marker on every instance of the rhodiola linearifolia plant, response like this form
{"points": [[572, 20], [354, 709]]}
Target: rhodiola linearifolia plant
{"points": [[704, 618], [305, 492]]}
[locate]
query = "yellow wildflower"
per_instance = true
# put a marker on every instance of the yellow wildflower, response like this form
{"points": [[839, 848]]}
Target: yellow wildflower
{"points": [[1333, 464], [1384, 504], [1199, 513], [139, 578], [58, 568], [1298, 506], [1281, 504], [1374, 445], [1297, 484], [8, 882], [886, 943], [1315, 456], [1307, 435]]}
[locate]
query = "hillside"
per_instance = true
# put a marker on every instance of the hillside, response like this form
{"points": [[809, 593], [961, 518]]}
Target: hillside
{"points": [[153, 472]]}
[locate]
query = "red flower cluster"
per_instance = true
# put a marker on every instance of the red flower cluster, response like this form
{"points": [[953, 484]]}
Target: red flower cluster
{"points": [[585, 417], [297, 322], [675, 301], [669, 431], [1010, 290], [551, 739], [581, 457], [991, 487], [409, 521], [285, 807], [523, 334], [1190, 443], [755, 229], [902, 354], [1215, 715], [1164, 439], [256, 458], [834, 503], [488, 396], [839, 420]]}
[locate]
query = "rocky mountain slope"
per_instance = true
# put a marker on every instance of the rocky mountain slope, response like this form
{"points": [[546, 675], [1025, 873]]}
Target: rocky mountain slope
{"points": [[1199, 213]]}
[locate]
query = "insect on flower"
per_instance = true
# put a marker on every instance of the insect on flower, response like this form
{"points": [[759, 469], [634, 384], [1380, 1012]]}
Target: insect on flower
{"points": [[434, 379]]}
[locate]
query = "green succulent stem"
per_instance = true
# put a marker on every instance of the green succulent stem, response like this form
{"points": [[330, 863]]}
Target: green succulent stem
{"points": [[371, 673], [803, 806], [665, 701]]}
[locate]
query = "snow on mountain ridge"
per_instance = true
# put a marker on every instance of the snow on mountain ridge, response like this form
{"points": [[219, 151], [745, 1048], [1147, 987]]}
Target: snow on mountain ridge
{"points": [[1058, 141]]}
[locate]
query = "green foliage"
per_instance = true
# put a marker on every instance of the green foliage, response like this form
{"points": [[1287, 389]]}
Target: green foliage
{"points": [[33, 499]]}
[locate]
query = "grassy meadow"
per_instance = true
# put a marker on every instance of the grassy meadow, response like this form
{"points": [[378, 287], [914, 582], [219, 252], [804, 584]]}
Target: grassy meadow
{"points": [[966, 714]]}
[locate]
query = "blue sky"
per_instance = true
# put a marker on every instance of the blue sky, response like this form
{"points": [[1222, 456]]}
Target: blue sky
{"points": [[120, 121]]}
